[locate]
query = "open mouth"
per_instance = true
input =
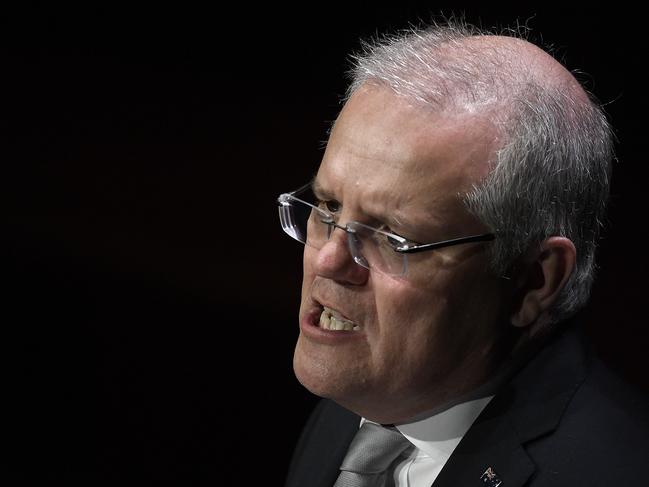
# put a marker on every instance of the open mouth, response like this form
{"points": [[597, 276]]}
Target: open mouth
{"points": [[332, 320]]}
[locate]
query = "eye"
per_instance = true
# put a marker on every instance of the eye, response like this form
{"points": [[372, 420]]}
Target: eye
{"points": [[389, 240], [392, 242], [332, 206], [399, 240]]}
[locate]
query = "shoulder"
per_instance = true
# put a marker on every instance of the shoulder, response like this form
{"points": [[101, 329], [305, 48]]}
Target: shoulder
{"points": [[604, 432], [602, 435]]}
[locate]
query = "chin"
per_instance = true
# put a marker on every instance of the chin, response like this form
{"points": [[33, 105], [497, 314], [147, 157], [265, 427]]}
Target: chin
{"points": [[321, 377], [330, 384], [313, 377]]}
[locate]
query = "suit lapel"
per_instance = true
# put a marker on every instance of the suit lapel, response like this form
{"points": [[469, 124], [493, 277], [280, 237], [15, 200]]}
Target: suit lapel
{"points": [[491, 443], [530, 406]]}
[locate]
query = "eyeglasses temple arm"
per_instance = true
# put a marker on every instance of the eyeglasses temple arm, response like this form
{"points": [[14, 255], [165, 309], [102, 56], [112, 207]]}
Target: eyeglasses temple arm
{"points": [[485, 237]]}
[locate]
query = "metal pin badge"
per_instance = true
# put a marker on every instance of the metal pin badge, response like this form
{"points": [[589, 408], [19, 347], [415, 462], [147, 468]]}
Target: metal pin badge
{"points": [[490, 478]]}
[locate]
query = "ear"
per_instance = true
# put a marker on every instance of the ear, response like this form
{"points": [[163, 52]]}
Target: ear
{"points": [[543, 275]]}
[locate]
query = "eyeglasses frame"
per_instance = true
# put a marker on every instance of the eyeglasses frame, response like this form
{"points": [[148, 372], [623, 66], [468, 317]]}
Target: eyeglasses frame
{"points": [[406, 247]]}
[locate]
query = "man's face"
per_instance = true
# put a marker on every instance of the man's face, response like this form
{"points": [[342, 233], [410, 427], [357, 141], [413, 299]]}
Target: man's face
{"points": [[428, 337]]}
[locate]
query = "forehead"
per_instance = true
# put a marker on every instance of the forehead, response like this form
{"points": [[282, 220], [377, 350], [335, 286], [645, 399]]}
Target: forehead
{"points": [[382, 148]]}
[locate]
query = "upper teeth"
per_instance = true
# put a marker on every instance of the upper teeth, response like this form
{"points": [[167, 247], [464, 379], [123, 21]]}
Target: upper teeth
{"points": [[330, 320]]}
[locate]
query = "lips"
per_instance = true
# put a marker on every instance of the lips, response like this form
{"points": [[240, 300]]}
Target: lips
{"points": [[324, 325]]}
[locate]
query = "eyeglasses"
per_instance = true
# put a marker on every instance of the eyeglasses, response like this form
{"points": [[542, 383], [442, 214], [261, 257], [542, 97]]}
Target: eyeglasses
{"points": [[305, 219]]}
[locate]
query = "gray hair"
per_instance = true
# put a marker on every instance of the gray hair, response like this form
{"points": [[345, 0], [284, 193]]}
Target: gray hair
{"points": [[551, 172]]}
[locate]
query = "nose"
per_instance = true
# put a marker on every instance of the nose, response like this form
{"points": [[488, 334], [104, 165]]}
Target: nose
{"points": [[335, 261]]}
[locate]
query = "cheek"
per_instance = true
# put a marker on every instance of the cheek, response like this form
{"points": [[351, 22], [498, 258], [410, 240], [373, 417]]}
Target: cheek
{"points": [[430, 323], [415, 350], [402, 303], [410, 318], [307, 269]]}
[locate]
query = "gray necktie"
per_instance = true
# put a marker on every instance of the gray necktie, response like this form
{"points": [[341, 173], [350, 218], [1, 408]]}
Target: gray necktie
{"points": [[370, 454]]}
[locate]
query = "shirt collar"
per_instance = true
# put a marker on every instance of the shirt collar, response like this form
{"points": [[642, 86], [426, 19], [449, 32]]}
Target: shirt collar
{"points": [[438, 435]]}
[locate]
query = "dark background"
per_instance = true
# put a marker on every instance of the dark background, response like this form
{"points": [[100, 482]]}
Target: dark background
{"points": [[150, 297]]}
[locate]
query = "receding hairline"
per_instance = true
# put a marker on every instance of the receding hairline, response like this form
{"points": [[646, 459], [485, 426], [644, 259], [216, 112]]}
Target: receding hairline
{"points": [[540, 64], [502, 67]]}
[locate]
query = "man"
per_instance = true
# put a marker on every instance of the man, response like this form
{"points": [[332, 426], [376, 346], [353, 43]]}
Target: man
{"points": [[449, 231]]}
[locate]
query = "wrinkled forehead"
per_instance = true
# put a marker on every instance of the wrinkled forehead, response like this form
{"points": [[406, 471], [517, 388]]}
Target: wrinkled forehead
{"points": [[382, 140]]}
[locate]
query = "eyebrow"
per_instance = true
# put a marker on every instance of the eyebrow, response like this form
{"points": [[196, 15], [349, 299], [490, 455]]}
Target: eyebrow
{"points": [[319, 191], [392, 221]]}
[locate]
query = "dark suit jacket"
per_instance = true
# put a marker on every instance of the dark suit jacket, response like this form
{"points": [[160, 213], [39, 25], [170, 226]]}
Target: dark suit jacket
{"points": [[563, 420]]}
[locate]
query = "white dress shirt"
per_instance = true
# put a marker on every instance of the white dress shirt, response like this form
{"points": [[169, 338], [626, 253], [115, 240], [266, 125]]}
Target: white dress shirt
{"points": [[434, 438]]}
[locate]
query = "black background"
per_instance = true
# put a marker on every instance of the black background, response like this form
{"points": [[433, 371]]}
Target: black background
{"points": [[150, 297]]}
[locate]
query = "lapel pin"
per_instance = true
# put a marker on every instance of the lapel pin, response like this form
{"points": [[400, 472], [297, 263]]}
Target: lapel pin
{"points": [[490, 478]]}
